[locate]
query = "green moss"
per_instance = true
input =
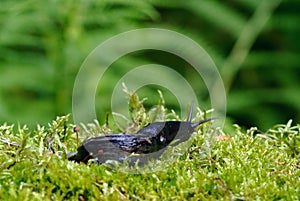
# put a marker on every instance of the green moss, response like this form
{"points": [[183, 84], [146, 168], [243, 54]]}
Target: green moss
{"points": [[249, 166]]}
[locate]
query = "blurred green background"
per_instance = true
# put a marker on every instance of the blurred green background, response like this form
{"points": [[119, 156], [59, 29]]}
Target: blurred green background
{"points": [[254, 43]]}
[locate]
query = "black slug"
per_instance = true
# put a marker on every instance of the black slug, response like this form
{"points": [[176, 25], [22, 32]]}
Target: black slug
{"points": [[152, 138]]}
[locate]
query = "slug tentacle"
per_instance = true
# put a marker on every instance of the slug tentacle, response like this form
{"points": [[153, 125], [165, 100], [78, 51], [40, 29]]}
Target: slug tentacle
{"points": [[191, 112], [194, 125]]}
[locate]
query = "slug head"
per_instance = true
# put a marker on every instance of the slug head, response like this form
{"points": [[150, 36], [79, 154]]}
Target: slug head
{"points": [[163, 133]]}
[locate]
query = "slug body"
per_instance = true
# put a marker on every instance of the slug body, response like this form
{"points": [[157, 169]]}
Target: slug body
{"points": [[149, 139]]}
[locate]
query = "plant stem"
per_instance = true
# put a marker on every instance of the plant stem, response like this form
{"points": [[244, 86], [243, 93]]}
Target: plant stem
{"points": [[246, 39]]}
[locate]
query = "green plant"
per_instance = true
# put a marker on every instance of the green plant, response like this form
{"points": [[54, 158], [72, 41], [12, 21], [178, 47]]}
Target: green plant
{"points": [[255, 44]]}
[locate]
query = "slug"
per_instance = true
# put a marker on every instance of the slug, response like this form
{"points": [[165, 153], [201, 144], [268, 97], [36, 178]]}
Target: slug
{"points": [[152, 138]]}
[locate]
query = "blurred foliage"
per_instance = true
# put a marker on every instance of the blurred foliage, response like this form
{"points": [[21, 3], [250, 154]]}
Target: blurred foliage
{"points": [[255, 45]]}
